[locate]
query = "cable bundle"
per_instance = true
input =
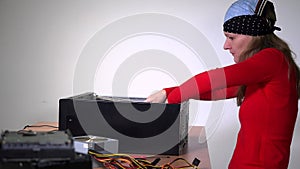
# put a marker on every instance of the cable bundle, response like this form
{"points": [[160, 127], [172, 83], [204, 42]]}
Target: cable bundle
{"points": [[124, 161]]}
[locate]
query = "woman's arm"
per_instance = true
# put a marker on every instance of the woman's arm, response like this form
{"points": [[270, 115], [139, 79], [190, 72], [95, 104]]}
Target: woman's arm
{"points": [[223, 83], [259, 68], [220, 94]]}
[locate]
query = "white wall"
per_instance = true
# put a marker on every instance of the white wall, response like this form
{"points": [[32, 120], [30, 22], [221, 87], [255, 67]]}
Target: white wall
{"points": [[53, 49]]}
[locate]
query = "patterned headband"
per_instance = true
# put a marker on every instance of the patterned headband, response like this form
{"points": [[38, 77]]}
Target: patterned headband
{"points": [[243, 17]]}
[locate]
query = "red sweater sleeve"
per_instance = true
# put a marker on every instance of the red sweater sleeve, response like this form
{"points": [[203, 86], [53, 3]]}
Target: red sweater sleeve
{"points": [[226, 93], [224, 82]]}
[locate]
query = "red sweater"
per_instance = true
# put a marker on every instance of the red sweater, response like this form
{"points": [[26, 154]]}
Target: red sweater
{"points": [[267, 114]]}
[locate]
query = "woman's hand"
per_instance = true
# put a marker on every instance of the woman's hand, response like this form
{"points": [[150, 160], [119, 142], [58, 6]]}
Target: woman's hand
{"points": [[157, 97]]}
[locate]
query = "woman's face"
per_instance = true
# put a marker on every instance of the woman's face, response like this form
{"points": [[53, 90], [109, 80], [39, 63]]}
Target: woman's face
{"points": [[236, 44]]}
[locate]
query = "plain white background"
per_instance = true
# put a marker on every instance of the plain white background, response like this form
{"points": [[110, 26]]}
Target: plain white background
{"points": [[58, 48]]}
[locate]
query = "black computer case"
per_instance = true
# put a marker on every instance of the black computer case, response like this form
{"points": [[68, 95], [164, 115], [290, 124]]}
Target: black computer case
{"points": [[140, 127]]}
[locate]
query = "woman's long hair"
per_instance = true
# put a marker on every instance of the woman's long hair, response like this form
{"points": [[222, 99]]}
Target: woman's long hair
{"points": [[269, 41]]}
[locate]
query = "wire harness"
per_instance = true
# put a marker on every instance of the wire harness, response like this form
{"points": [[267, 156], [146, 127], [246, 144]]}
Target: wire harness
{"points": [[125, 161]]}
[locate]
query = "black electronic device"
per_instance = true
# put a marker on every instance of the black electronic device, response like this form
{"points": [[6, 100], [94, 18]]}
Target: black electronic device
{"points": [[79, 161], [140, 127], [36, 145], [34, 150]]}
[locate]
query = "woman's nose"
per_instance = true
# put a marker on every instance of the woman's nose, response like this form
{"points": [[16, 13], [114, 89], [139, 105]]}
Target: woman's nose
{"points": [[226, 45]]}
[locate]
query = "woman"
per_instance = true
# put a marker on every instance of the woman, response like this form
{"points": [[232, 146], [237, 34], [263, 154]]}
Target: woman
{"points": [[265, 81]]}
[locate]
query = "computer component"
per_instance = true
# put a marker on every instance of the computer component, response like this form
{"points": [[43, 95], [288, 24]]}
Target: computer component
{"points": [[79, 161], [140, 127], [33, 150], [83, 144], [19, 145]]}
